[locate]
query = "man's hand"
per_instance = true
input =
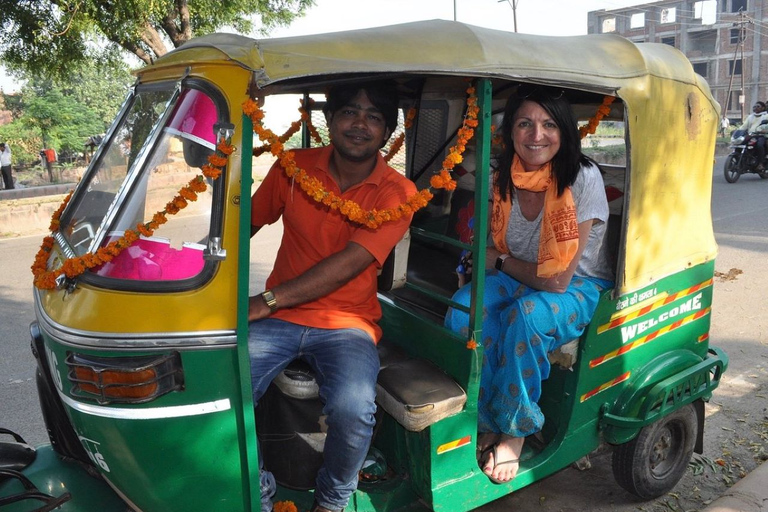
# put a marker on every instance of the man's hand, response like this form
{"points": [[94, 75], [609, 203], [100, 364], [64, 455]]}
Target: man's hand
{"points": [[257, 308]]}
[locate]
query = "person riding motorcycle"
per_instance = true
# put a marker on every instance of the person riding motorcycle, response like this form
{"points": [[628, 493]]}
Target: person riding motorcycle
{"points": [[754, 120]]}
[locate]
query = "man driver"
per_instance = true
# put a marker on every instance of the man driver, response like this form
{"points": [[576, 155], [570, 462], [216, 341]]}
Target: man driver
{"points": [[320, 304]]}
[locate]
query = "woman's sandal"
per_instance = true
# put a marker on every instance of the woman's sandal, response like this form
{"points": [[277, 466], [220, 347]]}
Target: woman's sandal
{"points": [[484, 458]]}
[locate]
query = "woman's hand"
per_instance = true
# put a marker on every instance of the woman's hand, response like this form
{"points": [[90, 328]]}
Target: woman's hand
{"points": [[491, 255]]}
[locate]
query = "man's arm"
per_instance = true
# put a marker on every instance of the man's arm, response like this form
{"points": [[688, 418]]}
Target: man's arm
{"points": [[327, 276]]}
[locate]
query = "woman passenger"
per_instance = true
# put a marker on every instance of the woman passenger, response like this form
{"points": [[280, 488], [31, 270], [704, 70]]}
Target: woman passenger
{"points": [[546, 268]]}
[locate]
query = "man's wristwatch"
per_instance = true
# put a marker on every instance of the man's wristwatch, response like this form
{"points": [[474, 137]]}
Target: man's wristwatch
{"points": [[500, 261], [269, 298]]}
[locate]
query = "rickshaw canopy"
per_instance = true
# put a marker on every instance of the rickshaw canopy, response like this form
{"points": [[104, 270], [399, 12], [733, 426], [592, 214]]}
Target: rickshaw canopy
{"points": [[670, 113]]}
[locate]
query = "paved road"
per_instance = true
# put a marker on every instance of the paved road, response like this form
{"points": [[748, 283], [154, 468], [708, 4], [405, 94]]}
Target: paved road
{"points": [[737, 424]]}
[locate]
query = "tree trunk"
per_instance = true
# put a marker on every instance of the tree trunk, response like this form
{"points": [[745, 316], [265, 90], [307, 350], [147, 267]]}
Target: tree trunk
{"points": [[152, 39]]}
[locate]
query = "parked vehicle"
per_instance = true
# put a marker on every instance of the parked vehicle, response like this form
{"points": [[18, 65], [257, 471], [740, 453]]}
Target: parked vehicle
{"points": [[743, 158], [141, 332]]}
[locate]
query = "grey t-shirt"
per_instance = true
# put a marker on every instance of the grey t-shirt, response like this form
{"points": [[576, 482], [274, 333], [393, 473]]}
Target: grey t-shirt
{"points": [[589, 196]]}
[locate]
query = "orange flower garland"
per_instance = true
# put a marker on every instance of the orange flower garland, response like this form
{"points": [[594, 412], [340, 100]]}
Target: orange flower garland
{"points": [[370, 218], [602, 111], [46, 279], [295, 126], [394, 148], [285, 506]]}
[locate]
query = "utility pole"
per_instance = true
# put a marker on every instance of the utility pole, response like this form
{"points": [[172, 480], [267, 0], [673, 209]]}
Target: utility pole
{"points": [[742, 36], [739, 51], [513, 4]]}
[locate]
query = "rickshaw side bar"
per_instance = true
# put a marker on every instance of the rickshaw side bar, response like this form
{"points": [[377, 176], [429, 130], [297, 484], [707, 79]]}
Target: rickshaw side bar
{"points": [[621, 256], [248, 446], [436, 296], [430, 235], [484, 91]]}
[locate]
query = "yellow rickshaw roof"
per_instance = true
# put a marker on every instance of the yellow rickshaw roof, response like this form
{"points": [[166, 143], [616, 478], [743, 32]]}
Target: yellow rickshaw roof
{"points": [[444, 47]]}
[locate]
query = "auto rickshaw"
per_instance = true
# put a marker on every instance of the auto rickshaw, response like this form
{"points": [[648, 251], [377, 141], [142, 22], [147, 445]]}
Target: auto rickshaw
{"points": [[141, 290]]}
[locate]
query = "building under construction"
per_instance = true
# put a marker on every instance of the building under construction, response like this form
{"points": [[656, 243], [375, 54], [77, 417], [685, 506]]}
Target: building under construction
{"points": [[723, 39]]}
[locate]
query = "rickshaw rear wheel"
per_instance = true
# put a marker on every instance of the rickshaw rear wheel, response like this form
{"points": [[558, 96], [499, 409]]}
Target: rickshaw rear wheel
{"points": [[731, 169], [653, 462], [763, 174]]}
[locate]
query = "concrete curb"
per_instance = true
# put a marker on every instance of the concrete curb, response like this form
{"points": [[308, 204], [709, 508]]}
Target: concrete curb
{"points": [[27, 211], [45, 190], [750, 494]]}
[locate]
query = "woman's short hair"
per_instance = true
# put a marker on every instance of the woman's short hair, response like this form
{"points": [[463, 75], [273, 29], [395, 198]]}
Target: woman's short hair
{"points": [[569, 158], [382, 93]]}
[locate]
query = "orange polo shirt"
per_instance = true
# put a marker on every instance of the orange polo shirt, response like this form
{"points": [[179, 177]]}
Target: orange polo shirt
{"points": [[312, 232]]}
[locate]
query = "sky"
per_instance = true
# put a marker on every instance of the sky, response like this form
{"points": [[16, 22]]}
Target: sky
{"points": [[542, 17]]}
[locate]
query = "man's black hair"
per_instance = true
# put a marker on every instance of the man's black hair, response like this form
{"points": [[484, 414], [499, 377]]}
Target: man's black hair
{"points": [[382, 93]]}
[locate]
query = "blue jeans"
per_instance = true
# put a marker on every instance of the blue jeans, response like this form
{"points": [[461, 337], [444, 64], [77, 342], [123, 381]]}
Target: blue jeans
{"points": [[346, 365]]}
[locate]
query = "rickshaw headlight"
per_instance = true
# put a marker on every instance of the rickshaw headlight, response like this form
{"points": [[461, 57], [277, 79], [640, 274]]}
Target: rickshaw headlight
{"points": [[125, 379]]}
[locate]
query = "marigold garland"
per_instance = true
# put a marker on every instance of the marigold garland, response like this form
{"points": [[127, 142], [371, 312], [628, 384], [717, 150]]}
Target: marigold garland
{"points": [[602, 111], [397, 144], [293, 128], [285, 506], [370, 218], [46, 279]]}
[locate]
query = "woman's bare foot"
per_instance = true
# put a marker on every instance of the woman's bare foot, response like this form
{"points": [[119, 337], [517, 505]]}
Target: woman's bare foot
{"points": [[504, 460], [486, 440]]}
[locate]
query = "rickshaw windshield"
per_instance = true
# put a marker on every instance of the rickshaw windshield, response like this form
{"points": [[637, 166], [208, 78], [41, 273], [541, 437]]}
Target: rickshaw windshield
{"points": [[80, 223], [174, 250]]}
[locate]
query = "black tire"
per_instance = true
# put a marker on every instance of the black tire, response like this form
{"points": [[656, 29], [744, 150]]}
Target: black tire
{"points": [[763, 174], [650, 465], [731, 169]]}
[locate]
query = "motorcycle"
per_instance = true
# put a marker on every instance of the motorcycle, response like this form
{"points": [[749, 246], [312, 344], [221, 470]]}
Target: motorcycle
{"points": [[743, 158]]}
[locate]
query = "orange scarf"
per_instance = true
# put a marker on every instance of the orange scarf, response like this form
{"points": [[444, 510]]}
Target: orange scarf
{"points": [[559, 237]]}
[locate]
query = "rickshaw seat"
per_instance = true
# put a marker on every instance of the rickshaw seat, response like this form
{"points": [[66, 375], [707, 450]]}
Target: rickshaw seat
{"points": [[415, 392]]}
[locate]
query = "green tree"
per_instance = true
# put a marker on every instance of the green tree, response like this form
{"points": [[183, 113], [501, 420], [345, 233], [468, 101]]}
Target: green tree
{"points": [[99, 89], [63, 114], [59, 35]]}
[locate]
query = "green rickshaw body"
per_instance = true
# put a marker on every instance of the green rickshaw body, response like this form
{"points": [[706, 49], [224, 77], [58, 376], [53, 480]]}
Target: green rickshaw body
{"points": [[143, 363]]}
